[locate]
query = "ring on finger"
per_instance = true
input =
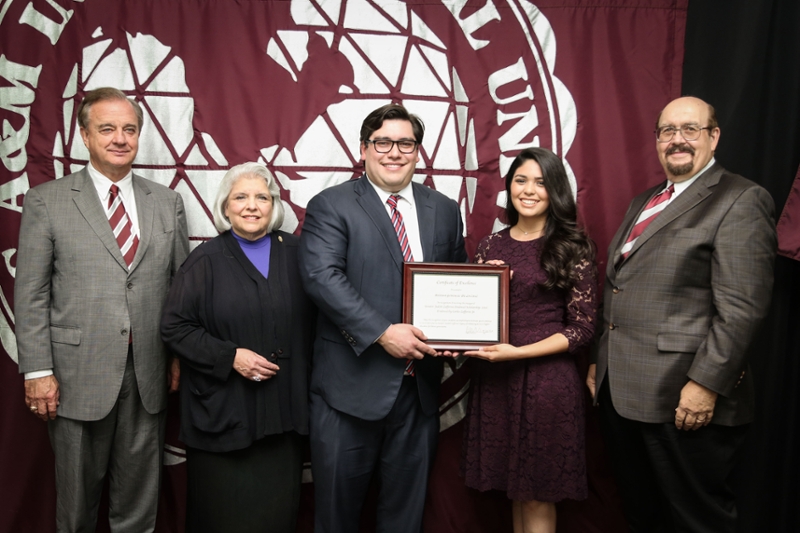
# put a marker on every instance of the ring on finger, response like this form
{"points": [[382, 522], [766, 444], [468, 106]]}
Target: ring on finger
{"points": [[34, 408], [256, 378]]}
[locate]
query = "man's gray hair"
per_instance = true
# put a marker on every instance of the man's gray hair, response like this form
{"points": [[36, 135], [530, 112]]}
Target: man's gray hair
{"points": [[104, 94]]}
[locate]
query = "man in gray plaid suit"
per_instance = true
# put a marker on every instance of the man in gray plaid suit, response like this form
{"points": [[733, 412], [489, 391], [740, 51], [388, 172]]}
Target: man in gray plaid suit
{"points": [[688, 281], [97, 252]]}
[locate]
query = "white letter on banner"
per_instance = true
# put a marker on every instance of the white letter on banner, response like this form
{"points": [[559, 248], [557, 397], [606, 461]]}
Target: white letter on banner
{"points": [[474, 22], [9, 192], [18, 100], [512, 139], [46, 26], [506, 75]]}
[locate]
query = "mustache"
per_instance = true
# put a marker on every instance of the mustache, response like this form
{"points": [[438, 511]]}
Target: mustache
{"points": [[680, 148]]}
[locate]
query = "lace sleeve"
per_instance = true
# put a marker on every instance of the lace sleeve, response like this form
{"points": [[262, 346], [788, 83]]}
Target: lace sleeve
{"points": [[484, 247], [581, 312]]}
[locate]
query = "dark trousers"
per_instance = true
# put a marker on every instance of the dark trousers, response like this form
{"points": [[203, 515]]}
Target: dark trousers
{"points": [[672, 480], [346, 451]]}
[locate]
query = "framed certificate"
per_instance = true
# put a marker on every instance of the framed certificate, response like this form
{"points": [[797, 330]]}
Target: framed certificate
{"points": [[458, 306]]}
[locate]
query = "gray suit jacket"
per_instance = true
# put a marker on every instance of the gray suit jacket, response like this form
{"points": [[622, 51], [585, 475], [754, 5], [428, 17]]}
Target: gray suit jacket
{"points": [[76, 301], [352, 267], [687, 301]]}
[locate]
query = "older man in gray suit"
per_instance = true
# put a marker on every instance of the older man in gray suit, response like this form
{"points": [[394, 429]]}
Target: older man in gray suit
{"points": [[688, 282], [97, 252]]}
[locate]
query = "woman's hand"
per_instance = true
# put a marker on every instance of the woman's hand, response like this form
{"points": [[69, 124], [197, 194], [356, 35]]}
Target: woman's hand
{"points": [[252, 366], [497, 262], [498, 352]]}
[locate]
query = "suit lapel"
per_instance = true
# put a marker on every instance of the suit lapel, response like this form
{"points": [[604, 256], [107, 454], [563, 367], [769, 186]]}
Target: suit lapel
{"points": [[426, 211], [624, 230], [145, 211], [369, 201], [688, 199], [88, 203]]}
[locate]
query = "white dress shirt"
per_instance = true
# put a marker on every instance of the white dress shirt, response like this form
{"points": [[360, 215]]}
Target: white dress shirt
{"points": [[408, 209]]}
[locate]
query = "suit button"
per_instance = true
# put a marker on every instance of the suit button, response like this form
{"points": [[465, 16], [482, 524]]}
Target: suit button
{"points": [[280, 351], [616, 290], [130, 285], [124, 332], [273, 356], [612, 326]]}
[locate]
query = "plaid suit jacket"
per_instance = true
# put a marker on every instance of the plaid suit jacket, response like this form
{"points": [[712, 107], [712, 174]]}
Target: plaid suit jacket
{"points": [[687, 301], [76, 300]]}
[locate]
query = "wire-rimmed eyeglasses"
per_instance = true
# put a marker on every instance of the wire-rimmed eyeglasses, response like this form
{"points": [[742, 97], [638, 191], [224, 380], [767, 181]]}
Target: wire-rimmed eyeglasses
{"points": [[689, 132]]}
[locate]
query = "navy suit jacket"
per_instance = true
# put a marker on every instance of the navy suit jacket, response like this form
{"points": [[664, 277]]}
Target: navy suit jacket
{"points": [[352, 267]]}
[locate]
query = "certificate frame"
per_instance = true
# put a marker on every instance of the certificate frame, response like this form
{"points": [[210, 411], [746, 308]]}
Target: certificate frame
{"points": [[474, 282]]}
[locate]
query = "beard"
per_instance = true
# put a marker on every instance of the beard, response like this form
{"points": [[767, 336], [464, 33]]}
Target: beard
{"points": [[685, 168]]}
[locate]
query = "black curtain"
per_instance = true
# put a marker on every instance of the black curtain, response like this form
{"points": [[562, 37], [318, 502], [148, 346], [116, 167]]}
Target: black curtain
{"points": [[743, 57]]}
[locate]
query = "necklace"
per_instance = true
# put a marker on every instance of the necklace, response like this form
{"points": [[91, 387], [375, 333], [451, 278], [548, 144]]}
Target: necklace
{"points": [[531, 231]]}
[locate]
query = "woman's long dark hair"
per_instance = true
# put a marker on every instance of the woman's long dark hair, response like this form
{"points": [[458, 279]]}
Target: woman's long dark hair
{"points": [[565, 244]]}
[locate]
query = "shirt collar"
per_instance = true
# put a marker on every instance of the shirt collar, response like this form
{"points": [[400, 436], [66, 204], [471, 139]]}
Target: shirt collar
{"points": [[102, 184], [683, 185], [406, 193]]}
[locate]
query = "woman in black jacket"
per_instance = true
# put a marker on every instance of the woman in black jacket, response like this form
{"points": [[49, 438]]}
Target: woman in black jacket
{"points": [[238, 318]]}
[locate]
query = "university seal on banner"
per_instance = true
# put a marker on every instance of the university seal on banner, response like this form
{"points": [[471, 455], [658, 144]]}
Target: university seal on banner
{"points": [[286, 83]]}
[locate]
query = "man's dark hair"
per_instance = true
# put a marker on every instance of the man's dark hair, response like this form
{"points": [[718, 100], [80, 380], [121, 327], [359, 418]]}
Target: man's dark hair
{"points": [[374, 121], [104, 94]]}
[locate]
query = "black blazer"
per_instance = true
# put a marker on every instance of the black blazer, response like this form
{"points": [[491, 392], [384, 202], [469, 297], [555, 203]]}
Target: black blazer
{"points": [[352, 268], [218, 302]]}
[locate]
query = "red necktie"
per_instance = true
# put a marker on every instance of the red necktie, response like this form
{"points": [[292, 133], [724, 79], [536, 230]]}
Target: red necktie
{"points": [[656, 204], [402, 238], [121, 226]]}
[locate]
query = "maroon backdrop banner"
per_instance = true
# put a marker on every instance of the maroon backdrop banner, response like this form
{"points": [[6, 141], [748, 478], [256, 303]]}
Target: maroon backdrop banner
{"points": [[287, 83], [789, 223]]}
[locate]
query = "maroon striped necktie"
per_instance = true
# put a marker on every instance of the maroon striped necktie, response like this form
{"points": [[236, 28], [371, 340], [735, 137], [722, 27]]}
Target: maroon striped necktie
{"points": [[656, 204], [405, 246], [121, 226]]}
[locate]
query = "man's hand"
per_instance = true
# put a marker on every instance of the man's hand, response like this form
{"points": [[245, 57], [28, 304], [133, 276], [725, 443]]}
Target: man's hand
{"points": [[591, 379], [41, 396], [405, 341], [174, 375], [253, 366], [696, 408]]}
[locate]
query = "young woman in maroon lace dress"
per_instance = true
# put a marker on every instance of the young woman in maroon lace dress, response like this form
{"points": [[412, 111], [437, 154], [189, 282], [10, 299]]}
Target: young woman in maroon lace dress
{"points": [[525, 422]]}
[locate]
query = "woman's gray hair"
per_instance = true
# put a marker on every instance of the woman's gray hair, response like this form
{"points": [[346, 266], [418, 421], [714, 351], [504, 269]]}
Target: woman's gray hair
{"points": [[231, 177]]}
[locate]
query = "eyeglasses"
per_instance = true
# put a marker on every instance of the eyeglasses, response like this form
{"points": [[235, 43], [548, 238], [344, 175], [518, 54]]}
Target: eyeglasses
{"points": [[689, 132], [384, 146]]}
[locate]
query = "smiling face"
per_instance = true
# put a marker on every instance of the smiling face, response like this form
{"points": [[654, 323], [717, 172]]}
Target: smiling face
{"points": [[680, 158], [528, 194], [112, 137], [391, 171], [249, 207]]}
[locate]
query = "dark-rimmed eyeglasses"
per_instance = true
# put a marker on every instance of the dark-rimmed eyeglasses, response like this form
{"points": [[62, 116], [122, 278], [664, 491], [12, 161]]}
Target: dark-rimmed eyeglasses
{"points": [[384, 146], [689, 132]]}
